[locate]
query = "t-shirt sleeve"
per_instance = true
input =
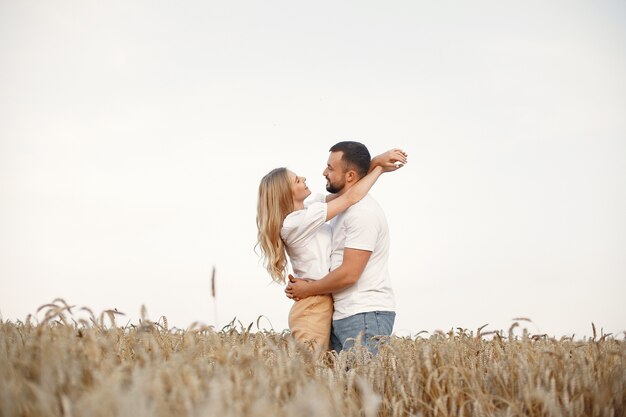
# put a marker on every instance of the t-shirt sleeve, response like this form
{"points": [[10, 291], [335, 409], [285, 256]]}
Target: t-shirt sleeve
{"points": [[301, 225], [361, 231]]}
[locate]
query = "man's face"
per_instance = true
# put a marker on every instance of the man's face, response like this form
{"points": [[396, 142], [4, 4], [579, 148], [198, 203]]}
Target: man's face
{"points": [[334, 173]]}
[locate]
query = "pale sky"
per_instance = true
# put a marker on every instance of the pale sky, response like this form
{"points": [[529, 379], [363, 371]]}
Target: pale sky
{"points": [[133, 136]]}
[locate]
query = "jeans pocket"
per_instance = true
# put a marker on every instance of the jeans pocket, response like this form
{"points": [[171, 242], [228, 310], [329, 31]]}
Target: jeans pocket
{"points": [[385, 321]]}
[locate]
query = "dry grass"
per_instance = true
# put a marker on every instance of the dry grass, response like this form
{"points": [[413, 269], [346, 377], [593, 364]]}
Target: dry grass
{"points": [[64, 366]]}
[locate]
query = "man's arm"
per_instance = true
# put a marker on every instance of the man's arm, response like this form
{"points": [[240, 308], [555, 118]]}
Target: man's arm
{"points": [[349, 272]]}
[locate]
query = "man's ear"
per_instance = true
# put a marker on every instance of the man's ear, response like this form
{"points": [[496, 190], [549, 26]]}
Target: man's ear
{"points": [[351, 176]]}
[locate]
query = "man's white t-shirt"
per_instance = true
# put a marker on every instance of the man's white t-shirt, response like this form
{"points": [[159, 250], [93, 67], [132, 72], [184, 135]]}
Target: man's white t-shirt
{"points": [[307, 237], [363, 226]]}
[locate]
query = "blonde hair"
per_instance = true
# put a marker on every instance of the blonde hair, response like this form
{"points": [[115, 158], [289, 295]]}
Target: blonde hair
{"points": [[274, 204]]}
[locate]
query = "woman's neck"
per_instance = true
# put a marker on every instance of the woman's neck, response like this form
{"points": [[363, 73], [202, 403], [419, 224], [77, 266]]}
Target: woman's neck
{"points": [[298, 205]]}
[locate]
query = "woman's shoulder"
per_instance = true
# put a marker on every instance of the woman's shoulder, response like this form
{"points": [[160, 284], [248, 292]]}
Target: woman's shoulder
{"points": [[305, 215], [294, 218]]}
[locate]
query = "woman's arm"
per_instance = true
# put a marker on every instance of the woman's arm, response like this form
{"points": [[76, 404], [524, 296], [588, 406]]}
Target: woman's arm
{"points": [[385, 162], [390, 160], [330, 197], [354, 194]]}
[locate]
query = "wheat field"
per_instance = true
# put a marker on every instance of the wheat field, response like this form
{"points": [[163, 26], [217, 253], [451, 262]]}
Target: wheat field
{"points": [[63, 365]]}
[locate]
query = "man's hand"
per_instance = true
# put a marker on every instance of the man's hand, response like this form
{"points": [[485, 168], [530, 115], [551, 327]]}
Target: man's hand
{"points": [[298, 288], [391, 160]]}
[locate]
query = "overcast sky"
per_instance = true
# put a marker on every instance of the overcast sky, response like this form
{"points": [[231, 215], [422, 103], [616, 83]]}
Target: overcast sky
{"points": [[133, 136]]}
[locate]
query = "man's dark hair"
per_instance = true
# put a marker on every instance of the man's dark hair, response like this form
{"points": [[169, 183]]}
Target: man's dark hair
{"points": [[355, 156]]}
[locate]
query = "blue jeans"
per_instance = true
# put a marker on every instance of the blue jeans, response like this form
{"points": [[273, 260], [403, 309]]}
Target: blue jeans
{"points": [[370, 325]]}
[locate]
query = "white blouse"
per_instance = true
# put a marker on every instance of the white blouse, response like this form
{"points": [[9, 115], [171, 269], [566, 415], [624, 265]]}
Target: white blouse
{"points": [[308, 239]]}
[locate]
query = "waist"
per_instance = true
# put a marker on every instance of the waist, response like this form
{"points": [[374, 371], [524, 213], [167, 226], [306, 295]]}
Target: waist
{"points": [[310, 274]]}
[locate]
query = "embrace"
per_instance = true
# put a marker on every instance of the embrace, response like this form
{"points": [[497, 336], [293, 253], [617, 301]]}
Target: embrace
{"points": [[338, 247]]}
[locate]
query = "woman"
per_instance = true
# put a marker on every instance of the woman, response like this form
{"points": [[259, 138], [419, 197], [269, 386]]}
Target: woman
{"points": [[288, 227]]}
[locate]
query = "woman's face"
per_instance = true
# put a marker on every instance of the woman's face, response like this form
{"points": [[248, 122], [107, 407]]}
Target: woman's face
{"points": [[299, 190]]}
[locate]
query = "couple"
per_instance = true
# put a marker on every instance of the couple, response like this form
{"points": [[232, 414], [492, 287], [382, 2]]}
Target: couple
{"points": [[338, 246]]}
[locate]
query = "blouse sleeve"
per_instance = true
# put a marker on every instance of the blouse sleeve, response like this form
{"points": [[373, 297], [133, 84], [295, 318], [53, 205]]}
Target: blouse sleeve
{"points": [[301, 225], [315, 198]]}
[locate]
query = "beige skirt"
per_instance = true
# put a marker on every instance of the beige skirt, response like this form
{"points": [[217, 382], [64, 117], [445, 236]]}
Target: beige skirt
{"points": [[310, 320]]}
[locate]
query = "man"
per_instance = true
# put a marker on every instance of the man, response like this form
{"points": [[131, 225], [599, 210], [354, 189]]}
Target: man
{"points": [[359, 279]]}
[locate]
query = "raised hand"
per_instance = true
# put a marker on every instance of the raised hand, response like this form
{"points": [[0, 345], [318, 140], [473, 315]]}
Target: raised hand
{"points": [[391, 160]]}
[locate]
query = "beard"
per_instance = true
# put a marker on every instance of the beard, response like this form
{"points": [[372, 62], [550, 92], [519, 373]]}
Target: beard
{"points": [[334, 188]]}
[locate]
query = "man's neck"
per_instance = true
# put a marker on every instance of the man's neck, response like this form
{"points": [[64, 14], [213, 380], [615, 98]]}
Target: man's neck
{"points": [[345, 189]]}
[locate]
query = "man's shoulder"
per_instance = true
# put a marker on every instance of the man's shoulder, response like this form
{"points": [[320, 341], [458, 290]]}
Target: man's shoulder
{"points": [[367, 203], [368, 207]]}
